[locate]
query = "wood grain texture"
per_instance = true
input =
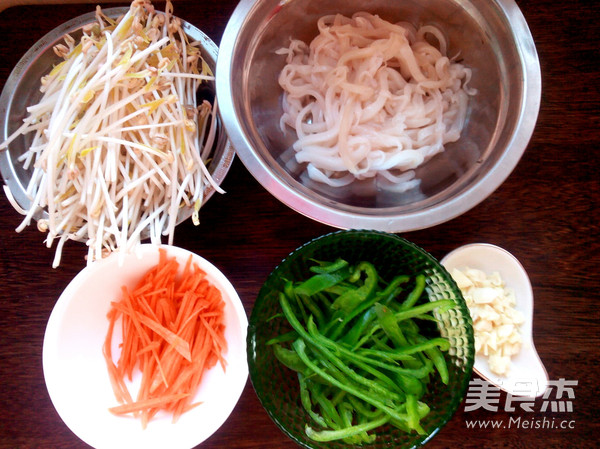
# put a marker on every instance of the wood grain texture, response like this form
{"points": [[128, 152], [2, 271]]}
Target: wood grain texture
{"points": [[546, 213]]}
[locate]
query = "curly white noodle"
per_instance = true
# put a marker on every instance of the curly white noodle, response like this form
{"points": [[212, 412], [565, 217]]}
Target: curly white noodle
{"points": [[370, 98]]}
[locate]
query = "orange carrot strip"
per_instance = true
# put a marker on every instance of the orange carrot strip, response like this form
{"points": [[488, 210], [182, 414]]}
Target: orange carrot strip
{"points": [[173, 331], [116, 381], [186, 305], [136, 322], [152, 346], [170, 337], [146, 403], [218, 337]]}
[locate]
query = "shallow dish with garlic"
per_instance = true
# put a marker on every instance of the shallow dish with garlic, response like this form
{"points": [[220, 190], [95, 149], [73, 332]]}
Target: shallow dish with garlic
{"points": [[526, 375]]}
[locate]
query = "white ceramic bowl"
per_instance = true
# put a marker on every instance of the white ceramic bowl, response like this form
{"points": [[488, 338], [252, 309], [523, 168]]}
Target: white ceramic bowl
{"points": [[527, 376], [76, 374]]}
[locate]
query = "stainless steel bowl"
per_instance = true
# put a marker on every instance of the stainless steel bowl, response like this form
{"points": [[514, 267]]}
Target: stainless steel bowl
{"points": [[22, 90], [493, 39]]}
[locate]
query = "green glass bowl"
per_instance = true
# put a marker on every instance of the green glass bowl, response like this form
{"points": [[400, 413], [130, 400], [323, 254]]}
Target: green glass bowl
{"points": [[277, 387]]}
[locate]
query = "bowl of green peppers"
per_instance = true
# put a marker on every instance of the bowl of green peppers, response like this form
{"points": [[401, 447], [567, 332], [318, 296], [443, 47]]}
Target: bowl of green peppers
{"points": [[360, 338]]}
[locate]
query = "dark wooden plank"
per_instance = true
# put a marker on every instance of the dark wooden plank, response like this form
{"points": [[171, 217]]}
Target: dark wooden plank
{"points": [[546, 213]]}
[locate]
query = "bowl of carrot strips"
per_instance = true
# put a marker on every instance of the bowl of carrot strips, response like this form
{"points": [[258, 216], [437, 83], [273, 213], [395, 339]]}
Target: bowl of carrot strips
{"points": [[361, 339], [146, 349]]}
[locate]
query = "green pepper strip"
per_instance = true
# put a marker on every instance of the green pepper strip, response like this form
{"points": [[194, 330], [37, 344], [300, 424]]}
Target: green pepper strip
{"points": [[328, 410], [407, 383], [317, 339], [382, 377], [412, 385], [437, 357], [413, 415], [390, 292], [307, 403], [409, 327], [320, 282], [323, 299], [422, 411], [362, 409], [387, 321], [345, 411], [415, 294], [338, 368], [288, 336], [290, 359], [338, 396], [433, 352], [377, 392], [340, 289], [331, 435], [314, 309], [439, 362], [328, 267], [288, 291], [300, 347], [368, 336], [347, 302], [415, 312], [404, 353], [366, 363], [422, 309]]}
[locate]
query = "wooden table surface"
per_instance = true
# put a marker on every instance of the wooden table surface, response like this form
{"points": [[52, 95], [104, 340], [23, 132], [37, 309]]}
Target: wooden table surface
{"points": [[546, 213]]}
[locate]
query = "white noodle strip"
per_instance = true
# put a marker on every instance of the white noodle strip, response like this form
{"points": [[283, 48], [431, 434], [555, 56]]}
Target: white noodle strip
{"points": [[368, 96]]}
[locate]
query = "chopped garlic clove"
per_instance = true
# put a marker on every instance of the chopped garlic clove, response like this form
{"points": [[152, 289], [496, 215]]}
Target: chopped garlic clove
{"points": [[499, 364], [461, 280], [485, 295], [495, 321]]}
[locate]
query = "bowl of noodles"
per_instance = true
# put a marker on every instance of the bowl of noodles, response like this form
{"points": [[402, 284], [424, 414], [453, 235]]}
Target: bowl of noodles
{"points": [[384, 115]]}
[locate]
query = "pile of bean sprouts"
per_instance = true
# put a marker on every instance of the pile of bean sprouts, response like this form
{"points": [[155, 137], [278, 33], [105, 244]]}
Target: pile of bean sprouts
{"points": [[368, 98], [119, 140]]}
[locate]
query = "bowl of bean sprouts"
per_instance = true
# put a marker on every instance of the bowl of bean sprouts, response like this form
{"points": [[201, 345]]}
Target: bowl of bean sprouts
{"points": [[385, 115], [109, 130]]}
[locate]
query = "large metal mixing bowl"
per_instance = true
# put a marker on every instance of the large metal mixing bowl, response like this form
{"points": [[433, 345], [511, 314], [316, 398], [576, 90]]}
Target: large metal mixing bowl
{"points": [[492, 38]]}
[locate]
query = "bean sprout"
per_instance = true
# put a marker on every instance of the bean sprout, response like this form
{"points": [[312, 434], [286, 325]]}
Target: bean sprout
{"points": [[119, 141]]}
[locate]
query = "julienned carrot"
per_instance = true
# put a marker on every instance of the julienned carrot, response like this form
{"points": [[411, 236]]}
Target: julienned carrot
{"points": [[145, 403], [173, 329]]}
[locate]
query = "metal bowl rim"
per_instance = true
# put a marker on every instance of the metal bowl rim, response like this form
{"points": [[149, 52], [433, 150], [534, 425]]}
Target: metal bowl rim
{"points": [[386, 219], [51, 38]]}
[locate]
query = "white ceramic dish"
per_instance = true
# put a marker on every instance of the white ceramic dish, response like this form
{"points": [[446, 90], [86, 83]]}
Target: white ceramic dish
{"points": [[76, 374], [527, 376]]}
